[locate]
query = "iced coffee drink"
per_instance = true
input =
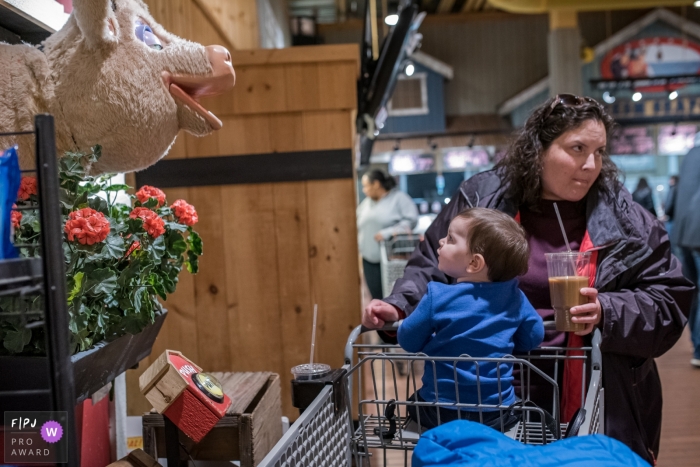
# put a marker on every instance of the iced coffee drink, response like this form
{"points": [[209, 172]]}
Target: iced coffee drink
{"points": [[568, 274]]}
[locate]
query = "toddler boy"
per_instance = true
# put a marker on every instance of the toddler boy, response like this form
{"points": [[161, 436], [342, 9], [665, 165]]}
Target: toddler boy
{"points": [[482, 315]]}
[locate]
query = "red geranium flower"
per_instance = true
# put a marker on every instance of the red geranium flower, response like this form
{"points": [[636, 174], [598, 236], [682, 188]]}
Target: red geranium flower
{"points": [[185, 212], [134, 246], [27, 187], [146, 192], [16, 217], [87, 226], [153, 224]]}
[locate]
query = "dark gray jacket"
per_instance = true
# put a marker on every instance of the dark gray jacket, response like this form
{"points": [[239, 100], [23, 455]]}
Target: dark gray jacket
{"points": [[686, 216], [644, 296]]}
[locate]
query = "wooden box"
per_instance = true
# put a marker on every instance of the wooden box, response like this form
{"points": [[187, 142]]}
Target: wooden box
{"points": [[136, 458], [251, 427], [179, 389]]}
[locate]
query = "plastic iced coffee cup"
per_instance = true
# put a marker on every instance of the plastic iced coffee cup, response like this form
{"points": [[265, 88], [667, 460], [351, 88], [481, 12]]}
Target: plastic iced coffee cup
{"points": [[309, 371], [568, 274]]}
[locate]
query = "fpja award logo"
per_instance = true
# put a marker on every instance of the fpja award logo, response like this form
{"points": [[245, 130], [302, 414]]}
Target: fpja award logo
{"points": [[36, 437]]}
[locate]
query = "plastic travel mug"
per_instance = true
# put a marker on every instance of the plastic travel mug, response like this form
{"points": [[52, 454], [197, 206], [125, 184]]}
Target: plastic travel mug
{"points": [[568, 274]]}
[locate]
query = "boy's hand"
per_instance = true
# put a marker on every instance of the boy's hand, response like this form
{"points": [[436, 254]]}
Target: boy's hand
{"points": [[377, 313], [590, 313]]}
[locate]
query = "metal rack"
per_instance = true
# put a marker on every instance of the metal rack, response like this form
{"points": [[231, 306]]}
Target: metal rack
{"points": [[39, 286]]}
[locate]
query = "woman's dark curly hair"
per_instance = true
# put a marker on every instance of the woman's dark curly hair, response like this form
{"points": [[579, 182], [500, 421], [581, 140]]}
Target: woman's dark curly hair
{"points": [[521, 168]]}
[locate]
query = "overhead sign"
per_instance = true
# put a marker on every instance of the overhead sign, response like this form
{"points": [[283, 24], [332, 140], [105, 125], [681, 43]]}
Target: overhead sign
{"points": [[652, 57], [655, 110]]}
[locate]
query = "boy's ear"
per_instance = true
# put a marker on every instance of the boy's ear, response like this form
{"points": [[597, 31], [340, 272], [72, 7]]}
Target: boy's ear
{"points": [[477, 264]]}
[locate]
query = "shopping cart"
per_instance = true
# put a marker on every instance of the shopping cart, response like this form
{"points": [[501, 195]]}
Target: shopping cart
{"points": [[382, 435], [394, 254]]}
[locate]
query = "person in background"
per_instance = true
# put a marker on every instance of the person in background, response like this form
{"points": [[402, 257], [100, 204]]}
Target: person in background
{"points": [[669, 210], [484, 314], [685, 235], [642, 195], [386, 211], [638, 297]]}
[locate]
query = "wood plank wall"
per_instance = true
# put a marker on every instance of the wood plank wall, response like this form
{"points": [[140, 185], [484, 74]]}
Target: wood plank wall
{"points": [[271, 250]]}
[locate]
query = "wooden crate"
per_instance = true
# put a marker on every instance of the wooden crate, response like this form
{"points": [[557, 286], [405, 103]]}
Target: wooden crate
{"points": [[251, 427]]}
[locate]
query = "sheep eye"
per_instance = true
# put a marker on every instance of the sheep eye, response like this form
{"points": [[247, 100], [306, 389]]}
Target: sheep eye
{"points": [[144, 33]]}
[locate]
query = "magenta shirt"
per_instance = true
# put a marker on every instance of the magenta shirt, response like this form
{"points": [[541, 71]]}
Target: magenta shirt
{"points": [[544, 236]]}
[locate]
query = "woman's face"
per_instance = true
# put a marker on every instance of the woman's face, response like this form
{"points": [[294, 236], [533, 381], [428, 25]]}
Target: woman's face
{"points": [[573, 161], [372, 190]]}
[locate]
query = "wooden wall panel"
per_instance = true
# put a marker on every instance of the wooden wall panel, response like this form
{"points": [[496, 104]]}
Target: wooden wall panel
{"points": [[245, 135], [295, 294], [301, 81], [271, 250], [334, 264], [259, 90], [327, 130], [252, 281], [212, 320]]}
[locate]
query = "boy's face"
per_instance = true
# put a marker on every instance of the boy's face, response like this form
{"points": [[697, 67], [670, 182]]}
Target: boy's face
{"points": [[453, 254]]}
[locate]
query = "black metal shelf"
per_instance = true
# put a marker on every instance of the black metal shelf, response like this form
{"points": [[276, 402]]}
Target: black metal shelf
{"points": [[22, 25]]}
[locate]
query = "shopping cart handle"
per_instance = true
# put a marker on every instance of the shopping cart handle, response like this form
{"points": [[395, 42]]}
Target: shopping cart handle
{"points": [[390, 327]]}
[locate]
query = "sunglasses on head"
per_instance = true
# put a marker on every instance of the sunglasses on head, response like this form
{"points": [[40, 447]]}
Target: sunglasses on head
{"points": [[567, 100]]}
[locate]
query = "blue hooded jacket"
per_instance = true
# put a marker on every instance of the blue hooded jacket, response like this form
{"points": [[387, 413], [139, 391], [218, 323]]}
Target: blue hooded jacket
{"points": [[461, 443]]}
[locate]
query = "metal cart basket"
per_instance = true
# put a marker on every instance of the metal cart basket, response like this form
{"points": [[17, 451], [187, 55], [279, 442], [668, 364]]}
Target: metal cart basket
{"points": [[394, 254], [383, 435]]}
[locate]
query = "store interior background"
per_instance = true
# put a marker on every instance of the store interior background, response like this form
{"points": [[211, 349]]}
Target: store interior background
{"points": [[499, 70]]}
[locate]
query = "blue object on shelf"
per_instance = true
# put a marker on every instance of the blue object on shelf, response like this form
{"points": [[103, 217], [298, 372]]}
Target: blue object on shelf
{"points": [[9, 184]]}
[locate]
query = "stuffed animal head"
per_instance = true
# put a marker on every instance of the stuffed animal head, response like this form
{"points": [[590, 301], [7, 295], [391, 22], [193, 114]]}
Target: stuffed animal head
{"points": [[124, 82]]}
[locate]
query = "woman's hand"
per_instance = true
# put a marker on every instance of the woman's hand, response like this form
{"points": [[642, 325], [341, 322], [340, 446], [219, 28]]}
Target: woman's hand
{"points": [[590, 313], [378, 237], [377, 313]]}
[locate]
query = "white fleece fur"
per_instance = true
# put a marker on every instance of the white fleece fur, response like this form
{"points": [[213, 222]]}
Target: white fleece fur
{"points": [[101, 89]]}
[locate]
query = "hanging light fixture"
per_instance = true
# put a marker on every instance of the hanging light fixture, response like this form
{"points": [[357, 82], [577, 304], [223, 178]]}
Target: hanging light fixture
{"points": [[637, 96]]}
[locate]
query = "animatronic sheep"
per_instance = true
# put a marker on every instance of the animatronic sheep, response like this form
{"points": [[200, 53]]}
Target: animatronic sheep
{"points": [[111, 76]]}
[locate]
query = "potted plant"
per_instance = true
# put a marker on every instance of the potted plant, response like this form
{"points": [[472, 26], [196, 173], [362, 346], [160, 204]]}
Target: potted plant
{"points": [[120, 259]]}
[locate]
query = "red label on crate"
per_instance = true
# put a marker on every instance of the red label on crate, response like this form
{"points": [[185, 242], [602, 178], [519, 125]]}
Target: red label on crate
{"points": [[187, 370]]}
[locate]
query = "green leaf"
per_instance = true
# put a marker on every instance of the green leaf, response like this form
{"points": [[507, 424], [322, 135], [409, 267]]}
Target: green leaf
{"points": [[77, 284], [194, 241], [151, 203], [81, 201], [114, 247], [116, 187], [176, 227], [176, 245], [157, 248], [192, 262], [99, 204], [15, 340], [101, 281], [135, 225]]}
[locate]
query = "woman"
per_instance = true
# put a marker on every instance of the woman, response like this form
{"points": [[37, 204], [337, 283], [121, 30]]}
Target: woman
{"points": [[639, 299], [385, 212], [642, 195]]}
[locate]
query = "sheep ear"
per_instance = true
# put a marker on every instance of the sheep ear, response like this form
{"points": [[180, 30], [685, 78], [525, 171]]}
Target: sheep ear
{"points": [[92, 17]]}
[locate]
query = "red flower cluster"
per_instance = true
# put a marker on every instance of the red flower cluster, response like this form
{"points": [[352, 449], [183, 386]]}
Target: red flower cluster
{"points": [[27, 187], [153, 224], [146, 192], [16, 217], [185, 212], [87, 226], [134, 246]]}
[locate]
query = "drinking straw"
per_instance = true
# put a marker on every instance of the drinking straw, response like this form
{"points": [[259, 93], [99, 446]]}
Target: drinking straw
{"points": [[313, 337], [561, 224]]}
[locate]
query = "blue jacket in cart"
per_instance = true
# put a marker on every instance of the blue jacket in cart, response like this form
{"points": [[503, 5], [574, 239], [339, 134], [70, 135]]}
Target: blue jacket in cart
{"points": [[478, 319], [462, 443]]}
